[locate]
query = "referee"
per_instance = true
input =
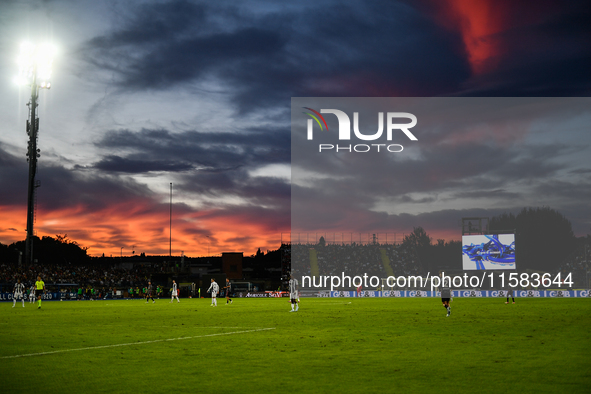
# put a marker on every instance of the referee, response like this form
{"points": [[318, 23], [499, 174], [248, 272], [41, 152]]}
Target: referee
{"points": [[39, 290]]}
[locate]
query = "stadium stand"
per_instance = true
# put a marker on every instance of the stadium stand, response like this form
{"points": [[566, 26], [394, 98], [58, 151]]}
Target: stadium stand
{"points": [[354, 259]]}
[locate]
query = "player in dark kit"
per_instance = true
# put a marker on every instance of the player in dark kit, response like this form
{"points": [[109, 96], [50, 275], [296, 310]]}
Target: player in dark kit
{"points": [[445, 297], [149, 293], [228, 287], [510, 294]]}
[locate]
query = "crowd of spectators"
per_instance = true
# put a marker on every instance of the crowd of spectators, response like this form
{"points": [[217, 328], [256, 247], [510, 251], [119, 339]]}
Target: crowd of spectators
{"points": [[577, 264], [355, 259], [285, 261], [332, 259], [93, 275], [404, 260]]}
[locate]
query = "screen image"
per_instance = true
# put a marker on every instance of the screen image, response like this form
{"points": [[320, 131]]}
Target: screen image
{"points": [[488, 252]]}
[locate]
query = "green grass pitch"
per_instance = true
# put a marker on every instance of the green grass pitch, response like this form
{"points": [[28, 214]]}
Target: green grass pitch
{"points": [[332, 345]]}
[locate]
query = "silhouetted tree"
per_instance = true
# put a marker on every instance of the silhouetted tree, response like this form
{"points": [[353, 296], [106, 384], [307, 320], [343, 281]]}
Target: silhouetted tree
{"points": [[543, 237], [444, 255], [418, 238], [5, 254], [51, 250], [420, 243]]}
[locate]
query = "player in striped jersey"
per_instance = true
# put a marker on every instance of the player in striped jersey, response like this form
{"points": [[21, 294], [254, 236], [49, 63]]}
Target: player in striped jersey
{"points": [[175, 292], [32, 294], [213, 288], [293, 294], [18, 292]]}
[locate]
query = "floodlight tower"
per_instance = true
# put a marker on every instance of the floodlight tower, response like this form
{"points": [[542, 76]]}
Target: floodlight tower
{"points": [[34, 70]]}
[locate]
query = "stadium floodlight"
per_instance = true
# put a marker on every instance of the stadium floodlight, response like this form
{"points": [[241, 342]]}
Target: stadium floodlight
{"points": [[35, 62]]}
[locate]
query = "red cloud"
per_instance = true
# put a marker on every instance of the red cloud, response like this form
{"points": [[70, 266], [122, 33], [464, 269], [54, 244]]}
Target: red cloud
{"points": [[144, 227], [489, 28], [479, 21]]}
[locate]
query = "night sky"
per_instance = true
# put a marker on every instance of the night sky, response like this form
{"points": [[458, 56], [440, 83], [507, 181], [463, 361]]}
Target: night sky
{"points": [[145, 93]]}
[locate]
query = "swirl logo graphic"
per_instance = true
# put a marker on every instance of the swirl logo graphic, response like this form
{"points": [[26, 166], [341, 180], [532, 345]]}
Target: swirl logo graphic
{"points": [[316, 118]]}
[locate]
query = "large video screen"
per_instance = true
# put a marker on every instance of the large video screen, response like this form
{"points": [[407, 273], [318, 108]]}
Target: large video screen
{"points": [[488, 252]]}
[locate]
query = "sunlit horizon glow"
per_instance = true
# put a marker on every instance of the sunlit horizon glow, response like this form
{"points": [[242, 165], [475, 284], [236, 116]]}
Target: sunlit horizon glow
{"points": [[129, 228]]}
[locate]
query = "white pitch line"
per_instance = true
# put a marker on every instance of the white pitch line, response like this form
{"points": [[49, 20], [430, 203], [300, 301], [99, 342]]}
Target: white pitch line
{"points": [[135, 343], [127, 325]]}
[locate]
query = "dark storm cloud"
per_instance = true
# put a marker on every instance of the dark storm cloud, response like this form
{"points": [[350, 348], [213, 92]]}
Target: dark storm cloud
{"points": [[13, 176], [189, 59], [119, 164], [383, 48], [467, 167], [267, 191], [488, 153], [555, 77], [177, 42], [218, 151], [212, 164], [496, 194], [64, 188], [360, 49], [324, 216], [425, 200], [467, 172], [581, 171], [465, 146], [152, 23], [566, 191]]}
